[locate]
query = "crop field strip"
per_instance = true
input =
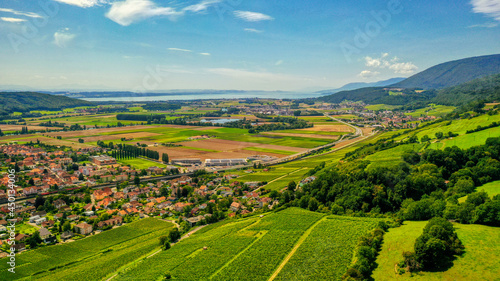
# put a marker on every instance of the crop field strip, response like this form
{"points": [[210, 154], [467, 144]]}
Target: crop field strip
{"points": [[327, 251], [82, 256]]}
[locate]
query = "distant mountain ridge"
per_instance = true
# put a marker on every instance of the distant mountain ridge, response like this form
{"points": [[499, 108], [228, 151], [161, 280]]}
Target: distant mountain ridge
{"points": [[359, 85], [453, 73]]}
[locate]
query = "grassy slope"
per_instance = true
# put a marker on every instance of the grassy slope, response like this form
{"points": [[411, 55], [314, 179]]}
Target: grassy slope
{"points": [[480, 261], [78, 260], [492, 188], [139, 163], [253, 248]]}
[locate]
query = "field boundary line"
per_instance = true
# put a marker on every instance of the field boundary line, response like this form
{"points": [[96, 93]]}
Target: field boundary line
{"points": [[295, 248], [149, 255], [283, 176], [263, 232]]}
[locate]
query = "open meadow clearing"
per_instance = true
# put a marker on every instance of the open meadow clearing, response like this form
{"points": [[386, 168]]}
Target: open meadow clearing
{"points": [[492, 188], [479, 261], [432, 110], [78, 260], [140, 163]]}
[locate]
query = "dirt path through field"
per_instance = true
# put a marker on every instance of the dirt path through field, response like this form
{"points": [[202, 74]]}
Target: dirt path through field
{"points": [[278, 178], [295, 248], [187, 235]]}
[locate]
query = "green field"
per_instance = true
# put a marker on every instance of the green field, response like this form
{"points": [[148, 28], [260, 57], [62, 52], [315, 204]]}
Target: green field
{"points": [[492, 188], [267, 150], [479, 262], [253, 248], [140, 163], [432, 110], [460, 126], [468, 140], [392, 156], [376, 107], [307, 132], [79, 260]]}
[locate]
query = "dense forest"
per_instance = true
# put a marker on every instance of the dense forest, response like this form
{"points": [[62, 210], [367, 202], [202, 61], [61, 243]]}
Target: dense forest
{"points": [[11, 102], [423, 186]]}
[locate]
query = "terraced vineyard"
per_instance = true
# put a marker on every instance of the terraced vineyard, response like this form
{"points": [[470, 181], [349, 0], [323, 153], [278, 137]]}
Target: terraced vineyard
{"points": [[255, 247], [77, 260]]}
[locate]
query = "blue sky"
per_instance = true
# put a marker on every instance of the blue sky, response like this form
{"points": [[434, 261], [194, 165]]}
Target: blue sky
{"points": [[153, 45]]}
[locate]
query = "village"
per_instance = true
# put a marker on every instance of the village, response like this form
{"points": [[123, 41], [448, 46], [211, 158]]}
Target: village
{"points": [[60, 196]]}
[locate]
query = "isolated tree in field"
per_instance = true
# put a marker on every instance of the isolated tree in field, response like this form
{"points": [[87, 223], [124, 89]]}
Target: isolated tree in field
{"points": [[174, 235], [81, 141], [291, 186], [164, 158], [166, 246], [163, 239], [425, 138], [439, 135]]}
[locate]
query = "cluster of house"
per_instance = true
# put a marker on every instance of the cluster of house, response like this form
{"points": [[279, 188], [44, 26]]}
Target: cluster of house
{"points": [[45, 170]]}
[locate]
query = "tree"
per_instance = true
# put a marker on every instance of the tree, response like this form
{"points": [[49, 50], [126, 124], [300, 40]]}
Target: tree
{"points": [[174, 235], [81, 140], [166, 246], [425, 138], [163, 239], [291, 186], [297, 113], [164, 158], [81, 177], [137, 180], [313, 204], [66, 226], [34, 240], [439, 135], [39, 201]]}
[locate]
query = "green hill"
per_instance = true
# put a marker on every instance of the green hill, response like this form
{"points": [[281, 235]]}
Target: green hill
{"points": [[479, 262], [453, 73], [26, 101]]}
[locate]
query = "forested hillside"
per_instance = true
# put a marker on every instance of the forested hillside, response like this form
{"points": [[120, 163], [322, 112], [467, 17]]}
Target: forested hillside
{"points": [[453, 73], [26, 101]]}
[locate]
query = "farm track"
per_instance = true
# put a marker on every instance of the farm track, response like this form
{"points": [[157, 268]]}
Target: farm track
{"points": [[262, 234], [295, 248], [283, 176], [187, 235]]}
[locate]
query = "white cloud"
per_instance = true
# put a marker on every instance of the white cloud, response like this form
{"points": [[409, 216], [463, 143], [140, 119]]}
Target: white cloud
{"points": [[179, 50], [83, 3], [14, 20], [490, 8], [393, 64], [484, 25], [130, 11], [202, 6], [253, 30], [18, 13], [252, 16], [278, 63], [404, 68], [63, 38], [205, 54], [368, 74]]}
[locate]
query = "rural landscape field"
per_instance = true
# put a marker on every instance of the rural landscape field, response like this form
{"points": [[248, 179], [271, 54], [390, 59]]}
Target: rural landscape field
{"points": [[249, 140]]}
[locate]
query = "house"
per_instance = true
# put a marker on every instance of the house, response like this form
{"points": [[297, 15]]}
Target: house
{"points": [[83, 228], [20, 237], [33, 219], [59, 203], [122, 177], [194, 220], [235, 206], [89, 213], [66, 235], [44, 233], [73, 217], [19, 247], [102, 160], [40, 221]]}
